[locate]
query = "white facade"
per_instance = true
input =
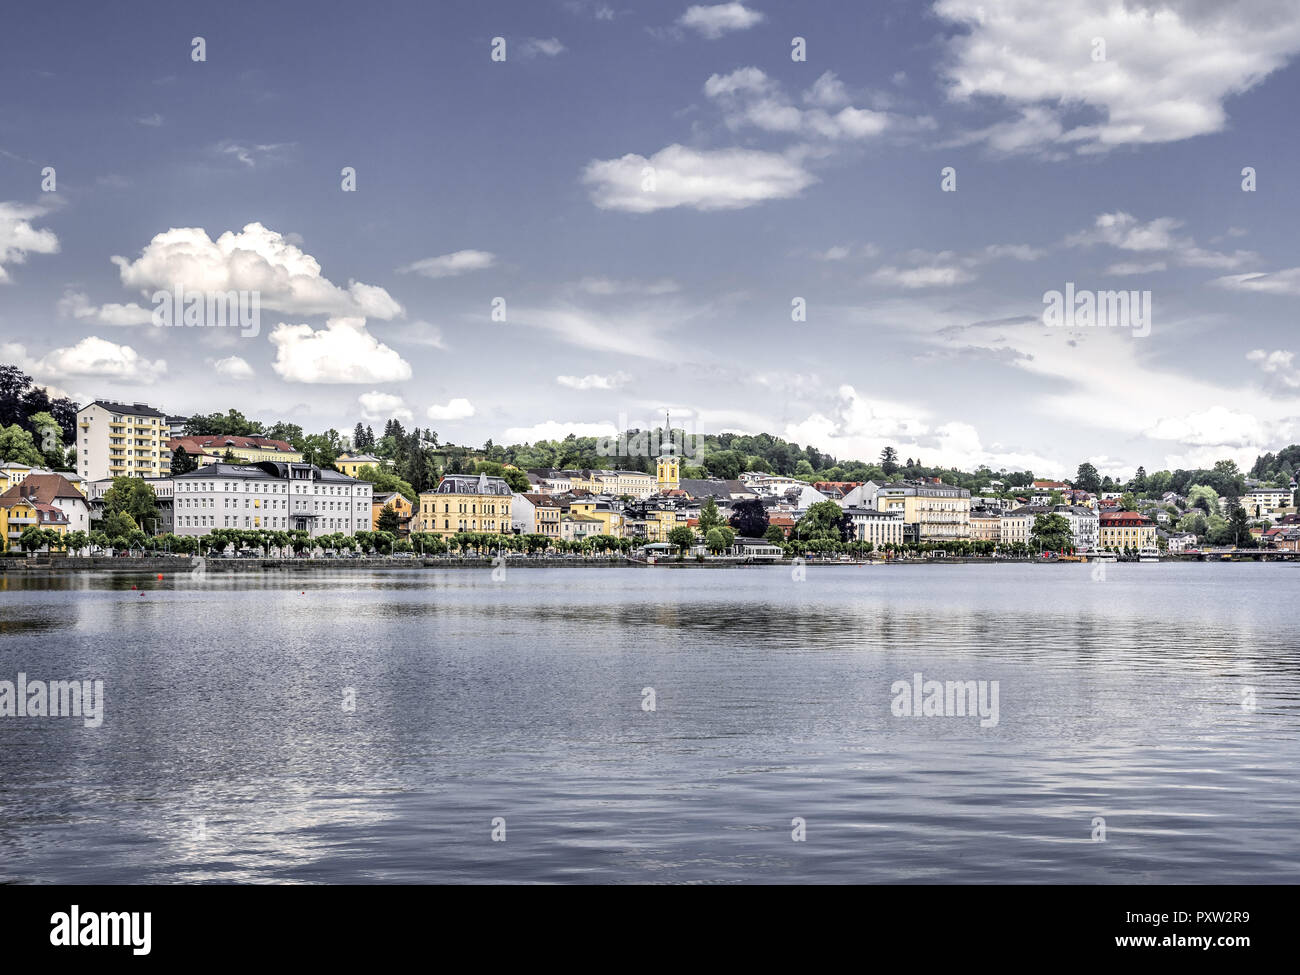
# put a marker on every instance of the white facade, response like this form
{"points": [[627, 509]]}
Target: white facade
{"points": [[877, 527], [1083, 526], [273, 496]]}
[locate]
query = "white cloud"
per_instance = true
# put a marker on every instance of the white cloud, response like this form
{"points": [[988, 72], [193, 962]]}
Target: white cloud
{"points": [[1216, 427], [827, 91], [705, 179], [450, 265], [343, 351], [1124, 231], [1278, 364], [419, 333], [92, 356], [233, 368], [384, 406], [1285, 282], [932, 276], [253, 155], [75, 304], [714, 20], [254, 259], [152, 121], [555, 430], [749, 97], [593, 381], [1168, 71], [18, 237], [541, 47], [456, 409], [860, 427]]}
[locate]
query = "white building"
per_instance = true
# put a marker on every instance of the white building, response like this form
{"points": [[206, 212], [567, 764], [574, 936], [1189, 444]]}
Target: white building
{"points": [[770, 485], [1084, 525], [116, 439], [880, 528], [1259, 502], [862, 496], [271, 495]]}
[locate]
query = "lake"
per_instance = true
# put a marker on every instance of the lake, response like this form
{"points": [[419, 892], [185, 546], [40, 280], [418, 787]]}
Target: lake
{"points": [[1158, 706]]}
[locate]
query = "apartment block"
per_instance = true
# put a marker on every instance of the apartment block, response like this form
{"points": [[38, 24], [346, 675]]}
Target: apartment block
{"points": [[120, 439], [273, 496]]}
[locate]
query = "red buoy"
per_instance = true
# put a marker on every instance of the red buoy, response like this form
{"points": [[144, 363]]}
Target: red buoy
{"points": [[160, 577]]}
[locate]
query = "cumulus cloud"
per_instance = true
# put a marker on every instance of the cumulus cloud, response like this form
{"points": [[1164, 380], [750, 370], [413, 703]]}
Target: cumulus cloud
{"points": [[343, 351], [1279, 365], [1168, 71], [1218, 426], [925, 276], [703, 179], [593, 381], [455, 409], [555, 430], [748, 97], [233, 368], [18, 237], [92, 356], [75, 304], [450, 265], [254, 259], [376, 406], [714, 20]]}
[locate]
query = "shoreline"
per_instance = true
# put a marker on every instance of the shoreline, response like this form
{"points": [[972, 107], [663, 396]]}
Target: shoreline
{"points": [[189, 564]]}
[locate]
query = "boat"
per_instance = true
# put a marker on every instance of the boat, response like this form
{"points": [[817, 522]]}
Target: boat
{"points": [[1104, 557], [1148, 553]]}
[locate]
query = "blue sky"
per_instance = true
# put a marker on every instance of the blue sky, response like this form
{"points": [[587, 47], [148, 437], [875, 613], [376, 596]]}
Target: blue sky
{"points": [[773, 179]]}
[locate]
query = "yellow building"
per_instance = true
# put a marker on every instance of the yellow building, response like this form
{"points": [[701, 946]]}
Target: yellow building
{"points": [[246, 450], [465, 503], [395, 500], [932, 510], [349, 464], [1126, 529], [611, 522], [668, 470], [659, 523], [19, 514]]}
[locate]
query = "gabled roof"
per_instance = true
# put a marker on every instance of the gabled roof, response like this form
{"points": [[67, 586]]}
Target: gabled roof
{"points": [[45, 488]]}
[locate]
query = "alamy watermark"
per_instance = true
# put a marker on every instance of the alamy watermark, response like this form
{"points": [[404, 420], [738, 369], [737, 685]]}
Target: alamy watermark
{"points": [[210, 309], [53, 699], [1076, 308], [921, 698]]}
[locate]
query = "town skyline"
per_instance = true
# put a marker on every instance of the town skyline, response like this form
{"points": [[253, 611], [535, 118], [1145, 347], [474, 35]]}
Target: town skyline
{"points": [[800, 268]]}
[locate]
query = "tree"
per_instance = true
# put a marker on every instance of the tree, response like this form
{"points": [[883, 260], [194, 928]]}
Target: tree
{"points": [[681, 538], [514, 477], [17, 445], [230, 423], [822, 520], [889, 461], [1052, 533], [1087, 479], [774, 535], [749, 518], [389, 521], [182, 462], [709, 517], [132, 496], [386, 481], [1239, 525], [715, 540], [118, 527]]}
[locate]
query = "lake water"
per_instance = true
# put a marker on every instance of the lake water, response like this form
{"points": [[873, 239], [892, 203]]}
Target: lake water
{"points": [[226, 754]]}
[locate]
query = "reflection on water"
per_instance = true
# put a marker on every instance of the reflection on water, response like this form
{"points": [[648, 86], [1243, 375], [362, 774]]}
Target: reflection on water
{"points": [[226, 753]]}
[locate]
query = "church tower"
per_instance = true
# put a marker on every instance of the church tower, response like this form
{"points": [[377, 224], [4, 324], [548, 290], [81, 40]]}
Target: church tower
{"points": [[668, 466]]}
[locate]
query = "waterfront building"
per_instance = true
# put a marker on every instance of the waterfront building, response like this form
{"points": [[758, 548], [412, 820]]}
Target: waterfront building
{"points": [[1126, 529], [986, 524], [466, 503], [880, 528], [271, 495], [163, 491], [397, 501], [611, 519], [578, 527], [115, 439], [18, 513], [1084, 524], [932, 511], [533, 513], [1015, 525]]}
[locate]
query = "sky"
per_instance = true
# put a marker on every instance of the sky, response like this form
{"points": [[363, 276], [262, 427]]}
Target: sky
{"points": [[835, 222]]}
